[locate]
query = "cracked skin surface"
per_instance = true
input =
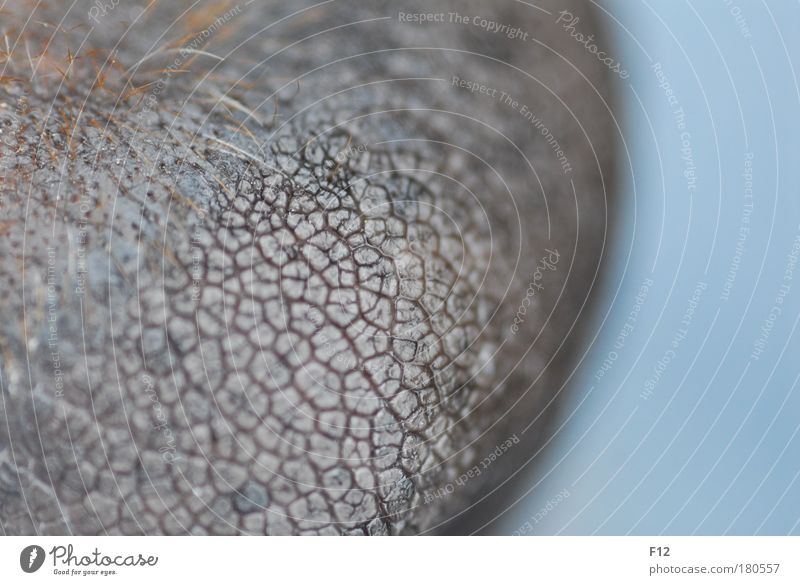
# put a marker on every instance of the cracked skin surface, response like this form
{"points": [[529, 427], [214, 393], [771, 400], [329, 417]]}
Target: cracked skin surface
{"points": [[275, 296]]}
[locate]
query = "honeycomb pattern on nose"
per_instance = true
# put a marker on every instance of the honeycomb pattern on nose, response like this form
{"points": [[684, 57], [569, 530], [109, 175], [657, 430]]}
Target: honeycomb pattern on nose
{"points": [[277, 296]]}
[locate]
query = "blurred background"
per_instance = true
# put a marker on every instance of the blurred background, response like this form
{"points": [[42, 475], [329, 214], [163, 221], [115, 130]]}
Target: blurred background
{"points": [[685, 409]]}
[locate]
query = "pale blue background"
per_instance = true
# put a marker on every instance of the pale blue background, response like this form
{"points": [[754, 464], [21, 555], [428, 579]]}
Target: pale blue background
{"points": [[716, 449]]}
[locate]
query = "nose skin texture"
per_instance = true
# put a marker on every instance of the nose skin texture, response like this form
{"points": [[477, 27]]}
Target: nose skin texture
{"points": [[288, 270]]}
